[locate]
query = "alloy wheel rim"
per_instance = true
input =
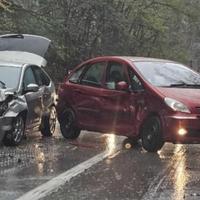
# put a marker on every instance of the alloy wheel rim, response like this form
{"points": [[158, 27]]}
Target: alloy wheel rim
{"points": [[52, 120], [18, 129]]}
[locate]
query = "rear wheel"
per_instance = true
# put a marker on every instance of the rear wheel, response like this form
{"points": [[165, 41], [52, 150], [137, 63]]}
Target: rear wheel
{"points": [[67, 125], [15, 135], [48, 126], [151, 135]]}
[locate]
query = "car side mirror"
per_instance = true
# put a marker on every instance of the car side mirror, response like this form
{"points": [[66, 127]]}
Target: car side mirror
{"points": [[31, 88], [122, 86]]}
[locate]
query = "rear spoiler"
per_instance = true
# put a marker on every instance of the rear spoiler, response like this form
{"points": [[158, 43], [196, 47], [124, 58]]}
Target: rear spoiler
{"points": [[12, 36]]}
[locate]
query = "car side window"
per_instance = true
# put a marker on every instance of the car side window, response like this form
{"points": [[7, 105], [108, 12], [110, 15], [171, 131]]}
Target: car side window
{"points": [[115, 73], [41, 78], [76, 75], [94, 74], [45, 79], [135, 82], [28, 77]]}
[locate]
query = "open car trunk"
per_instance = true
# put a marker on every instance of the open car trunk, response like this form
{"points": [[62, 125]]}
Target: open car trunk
{"points": [[23, 42]]}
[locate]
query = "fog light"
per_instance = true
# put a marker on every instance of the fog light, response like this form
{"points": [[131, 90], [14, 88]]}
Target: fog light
{"points": [[182, 131]]}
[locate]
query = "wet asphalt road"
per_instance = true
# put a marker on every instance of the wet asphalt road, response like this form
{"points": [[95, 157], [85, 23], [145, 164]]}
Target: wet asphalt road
{"points": [[172, 173]]}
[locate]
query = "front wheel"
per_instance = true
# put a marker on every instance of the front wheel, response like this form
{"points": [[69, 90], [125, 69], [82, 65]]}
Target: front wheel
{"points": [[151, 135], [15, 135], [48, 126], [67, 125]]}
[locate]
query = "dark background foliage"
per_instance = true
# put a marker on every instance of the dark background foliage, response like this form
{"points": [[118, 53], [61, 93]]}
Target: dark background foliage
{"points": [[81, 29]]}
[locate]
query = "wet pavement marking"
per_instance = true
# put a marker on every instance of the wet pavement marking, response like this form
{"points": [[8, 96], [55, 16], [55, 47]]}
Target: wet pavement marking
{"points": [[78, 144], [55, 183], [161, 177]]}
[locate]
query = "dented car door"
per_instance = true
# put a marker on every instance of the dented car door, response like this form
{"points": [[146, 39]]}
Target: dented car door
{"points": [[33, 98]]}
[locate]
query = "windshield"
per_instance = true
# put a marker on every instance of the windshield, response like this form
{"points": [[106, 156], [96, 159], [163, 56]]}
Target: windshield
{"points": [[168, 74], [9, 76]]}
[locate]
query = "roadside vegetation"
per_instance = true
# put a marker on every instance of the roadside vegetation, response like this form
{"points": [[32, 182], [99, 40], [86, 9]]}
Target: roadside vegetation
{"points": [[82, 29]]}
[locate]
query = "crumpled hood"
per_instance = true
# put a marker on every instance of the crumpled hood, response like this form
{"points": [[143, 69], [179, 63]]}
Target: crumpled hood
{"points": [[188, 96], [4, 93]]}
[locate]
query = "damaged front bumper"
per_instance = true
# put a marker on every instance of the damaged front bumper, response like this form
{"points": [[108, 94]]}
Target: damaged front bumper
{"points": [[10, 110], [190, 125], [5, 125]]}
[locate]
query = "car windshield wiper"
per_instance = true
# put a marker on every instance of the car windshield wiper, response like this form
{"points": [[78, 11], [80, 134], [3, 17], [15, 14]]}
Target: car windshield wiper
{"points": [[3, 84], [183, 84], [193, 85]]}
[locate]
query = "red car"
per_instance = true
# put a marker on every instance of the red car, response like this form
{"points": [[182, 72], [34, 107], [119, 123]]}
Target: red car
{"points": [[150, 99]]}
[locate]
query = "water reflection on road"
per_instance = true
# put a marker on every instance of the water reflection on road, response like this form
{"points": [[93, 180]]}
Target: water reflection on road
{"points": [[181, 175], [167, 175], [111, 143]]}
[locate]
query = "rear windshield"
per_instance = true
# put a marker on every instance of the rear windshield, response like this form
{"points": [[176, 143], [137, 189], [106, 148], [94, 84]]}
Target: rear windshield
{"points": [[167, 74], [9, 76]]}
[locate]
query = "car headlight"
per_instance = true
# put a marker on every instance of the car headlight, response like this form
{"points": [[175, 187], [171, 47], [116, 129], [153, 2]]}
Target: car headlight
{"points": [[176, 105], [3, 108]]}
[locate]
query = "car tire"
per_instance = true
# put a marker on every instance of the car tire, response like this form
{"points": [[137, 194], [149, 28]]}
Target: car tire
{"points": [[151, 134], [67, 125], [16, 134], [48, 126]]}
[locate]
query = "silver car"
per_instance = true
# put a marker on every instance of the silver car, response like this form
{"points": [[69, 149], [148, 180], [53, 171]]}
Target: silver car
{"points": [[27, 94]]}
